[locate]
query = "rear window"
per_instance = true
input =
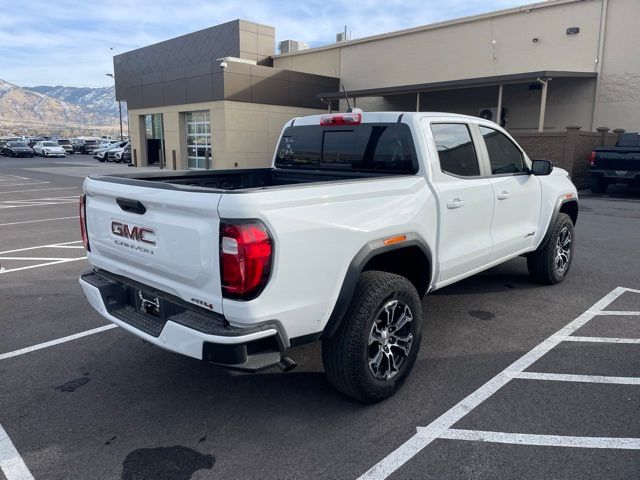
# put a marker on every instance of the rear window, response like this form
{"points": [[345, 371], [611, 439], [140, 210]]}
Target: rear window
{"points": [[17, 144], [629, 140], [64, 142], [370, 147]]}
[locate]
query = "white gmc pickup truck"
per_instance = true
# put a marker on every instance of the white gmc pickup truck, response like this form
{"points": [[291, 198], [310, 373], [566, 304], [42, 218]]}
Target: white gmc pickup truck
{"points": [[360, 216]]}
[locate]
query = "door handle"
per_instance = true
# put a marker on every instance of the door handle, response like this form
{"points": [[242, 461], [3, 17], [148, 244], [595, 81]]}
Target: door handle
{"points": [[503, 195], [455, 203]]}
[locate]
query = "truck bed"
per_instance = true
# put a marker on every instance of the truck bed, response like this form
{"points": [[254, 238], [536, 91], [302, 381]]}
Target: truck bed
{"points": [[618, 158], [232, 180]]}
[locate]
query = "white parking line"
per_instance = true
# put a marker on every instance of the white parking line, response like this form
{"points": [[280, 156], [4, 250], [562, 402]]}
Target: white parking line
{"points": [[543, 440], [441, 426], [614, 313], [573, 338], [46, 261], [11, 463], [4, 178], [38, 202], [35, 221], [57, 341], [37, 190], [39, 265], [40, 246], [31, 258], [20, 184], [564, 377]]}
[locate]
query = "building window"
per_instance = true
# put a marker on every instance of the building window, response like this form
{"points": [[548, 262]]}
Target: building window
{"points": [[198, 125]]}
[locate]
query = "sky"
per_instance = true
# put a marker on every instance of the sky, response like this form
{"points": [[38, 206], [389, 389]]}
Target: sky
{"points": [[72, 42]]}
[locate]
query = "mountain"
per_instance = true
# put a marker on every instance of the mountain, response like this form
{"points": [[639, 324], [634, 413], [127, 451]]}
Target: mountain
{"points": [[97, 100], [86, 112]]}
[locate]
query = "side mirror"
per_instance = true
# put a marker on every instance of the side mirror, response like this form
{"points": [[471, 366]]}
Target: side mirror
{"points": [[541, 167]]}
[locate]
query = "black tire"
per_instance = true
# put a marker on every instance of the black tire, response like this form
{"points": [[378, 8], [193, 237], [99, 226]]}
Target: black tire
{"points": [[543, 264], [347, 354], [598, 184]]}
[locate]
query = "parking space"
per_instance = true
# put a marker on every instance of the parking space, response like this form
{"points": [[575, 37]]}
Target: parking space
{"points": [[539, 400], [514, 380]]}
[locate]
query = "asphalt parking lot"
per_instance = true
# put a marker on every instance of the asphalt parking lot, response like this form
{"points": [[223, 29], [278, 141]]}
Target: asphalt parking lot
{"points": [[514, 380]]}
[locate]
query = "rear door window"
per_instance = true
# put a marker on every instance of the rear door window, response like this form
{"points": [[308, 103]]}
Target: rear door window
{"points": [[456, 151]]}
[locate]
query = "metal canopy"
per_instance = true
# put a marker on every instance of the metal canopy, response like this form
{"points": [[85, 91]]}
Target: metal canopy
{"points": [[462, 83]]}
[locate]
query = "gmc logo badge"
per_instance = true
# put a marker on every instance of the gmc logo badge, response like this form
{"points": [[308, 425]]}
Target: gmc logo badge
{"points": [[134, 232]]}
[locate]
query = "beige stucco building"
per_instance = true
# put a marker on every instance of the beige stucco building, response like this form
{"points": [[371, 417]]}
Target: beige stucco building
{"points": [[540, 67]]}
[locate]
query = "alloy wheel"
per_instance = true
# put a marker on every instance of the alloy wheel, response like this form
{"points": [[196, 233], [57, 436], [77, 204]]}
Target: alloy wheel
{"points": [[563, 250], [390, 339]]}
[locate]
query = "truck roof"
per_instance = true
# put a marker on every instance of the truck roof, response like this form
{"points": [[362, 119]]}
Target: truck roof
{"points": [[374, 117]]}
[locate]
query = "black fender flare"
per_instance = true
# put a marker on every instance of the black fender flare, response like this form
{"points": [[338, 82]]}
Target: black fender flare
{"points": [[364, 255], [554, 216]]}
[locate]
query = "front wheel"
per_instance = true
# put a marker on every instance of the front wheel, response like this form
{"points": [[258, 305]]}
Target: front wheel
{"points": [[377, 343], [550, 263]]}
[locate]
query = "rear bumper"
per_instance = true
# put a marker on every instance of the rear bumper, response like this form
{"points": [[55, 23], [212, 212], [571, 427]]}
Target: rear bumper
{"points": [[180, 328], [622, 176]]}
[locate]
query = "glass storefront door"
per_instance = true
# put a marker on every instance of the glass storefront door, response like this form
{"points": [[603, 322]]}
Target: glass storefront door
{"points": [[198, 125]]}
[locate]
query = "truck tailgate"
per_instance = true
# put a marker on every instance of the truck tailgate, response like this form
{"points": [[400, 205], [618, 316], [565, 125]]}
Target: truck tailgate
{"points": [[618, 158], [163, 238]]}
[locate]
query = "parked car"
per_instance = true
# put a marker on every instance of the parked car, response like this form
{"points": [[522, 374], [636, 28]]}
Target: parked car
{"points": [[361, 215], [31, 141], [66, 144], [49, 148], [17, 149], [618, 164], [116, 154], [101, 154], [85, 146], [126, 155]]}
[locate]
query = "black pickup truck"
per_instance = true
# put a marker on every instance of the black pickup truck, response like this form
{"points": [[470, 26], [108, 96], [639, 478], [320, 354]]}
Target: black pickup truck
{"points": [[619, 164]]}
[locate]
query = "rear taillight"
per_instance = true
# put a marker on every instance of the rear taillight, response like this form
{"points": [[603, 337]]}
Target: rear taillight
{"points": [[246, 251], [341, 119], [592, 159], [83, 221]]}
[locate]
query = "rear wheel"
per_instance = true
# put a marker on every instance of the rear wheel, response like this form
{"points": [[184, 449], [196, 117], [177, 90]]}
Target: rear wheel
{"points": [[598, 184], [377, 343], [550, 263]]}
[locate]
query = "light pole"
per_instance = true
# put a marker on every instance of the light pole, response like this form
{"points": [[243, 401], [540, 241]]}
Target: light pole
{"points": [[119, 106]]}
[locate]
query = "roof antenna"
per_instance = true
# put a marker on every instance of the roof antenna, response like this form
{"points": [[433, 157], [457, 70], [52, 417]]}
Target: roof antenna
{"points": [[346, 97]]}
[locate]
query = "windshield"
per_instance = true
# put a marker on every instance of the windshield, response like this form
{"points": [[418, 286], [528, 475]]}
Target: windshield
{"points": [[370, 147], [50, 144], [629, 140], [90, 142], [17, 144]]}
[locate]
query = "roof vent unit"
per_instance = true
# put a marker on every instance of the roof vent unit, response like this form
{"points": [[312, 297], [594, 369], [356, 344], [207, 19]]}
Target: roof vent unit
{"points": [[289, 46]]}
